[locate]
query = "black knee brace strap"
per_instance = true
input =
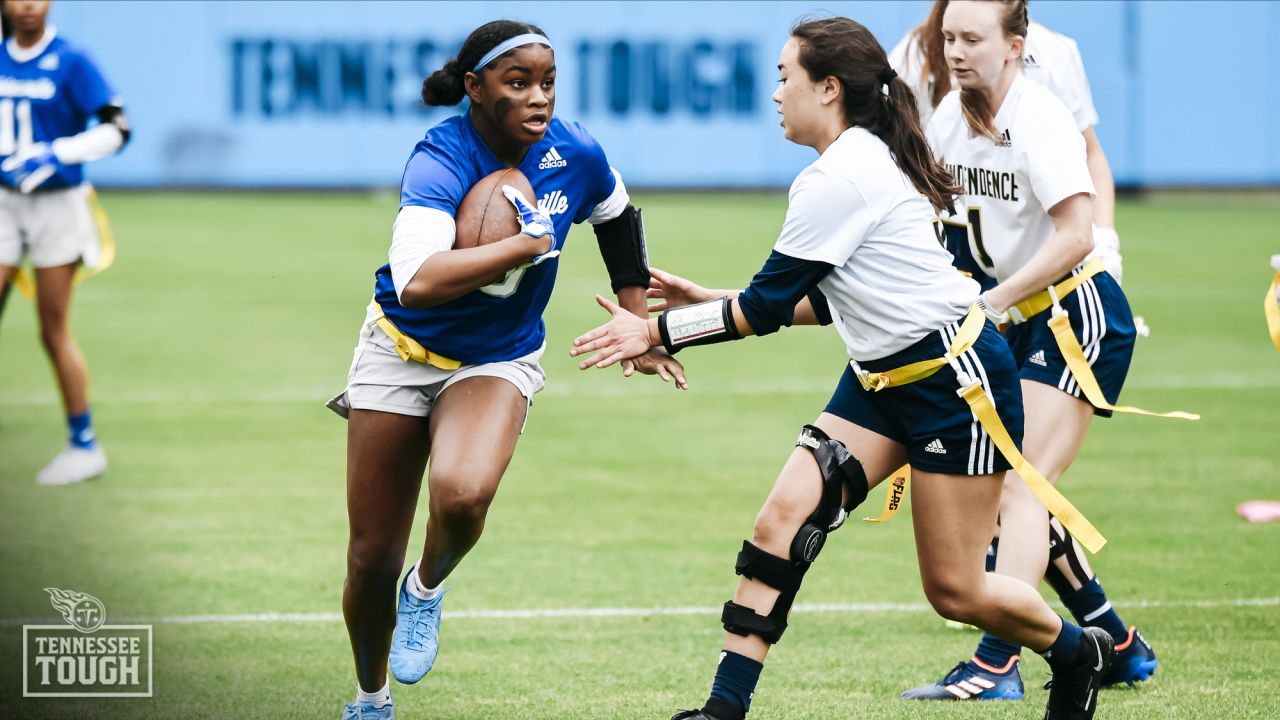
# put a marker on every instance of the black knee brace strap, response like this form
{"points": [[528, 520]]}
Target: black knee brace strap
{"points": [[839, 470]]}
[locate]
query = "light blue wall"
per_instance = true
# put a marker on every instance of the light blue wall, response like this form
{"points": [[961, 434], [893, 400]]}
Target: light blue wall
{"points": [[678, 93]]}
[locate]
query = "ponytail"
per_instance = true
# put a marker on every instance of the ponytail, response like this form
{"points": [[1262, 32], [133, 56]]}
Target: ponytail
{"points": [[875, 98], [906, 141], [444, 86]]}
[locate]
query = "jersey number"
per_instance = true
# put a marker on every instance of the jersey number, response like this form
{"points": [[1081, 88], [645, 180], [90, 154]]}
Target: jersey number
{"points": [[975, 224], [15, 125]]}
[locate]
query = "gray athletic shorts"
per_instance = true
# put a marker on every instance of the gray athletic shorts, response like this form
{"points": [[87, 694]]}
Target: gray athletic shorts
{"points": [[52, 227], [380, 380]]}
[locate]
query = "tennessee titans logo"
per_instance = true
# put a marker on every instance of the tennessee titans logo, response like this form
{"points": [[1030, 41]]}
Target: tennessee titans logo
{"points": [[84, 612]]}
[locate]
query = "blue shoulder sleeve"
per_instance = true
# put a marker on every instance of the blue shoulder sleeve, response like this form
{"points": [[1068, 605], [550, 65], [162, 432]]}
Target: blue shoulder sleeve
{"points": [[769, 302], [600, 181], [432, 180], [87, 87]]}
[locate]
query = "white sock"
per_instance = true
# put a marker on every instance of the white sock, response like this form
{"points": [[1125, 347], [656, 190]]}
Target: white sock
{"points": [[380, 698], [418, 590]]}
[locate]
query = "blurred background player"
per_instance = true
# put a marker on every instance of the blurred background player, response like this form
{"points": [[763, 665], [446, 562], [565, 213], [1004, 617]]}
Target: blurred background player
{"points": [[51, 92], [1028, 216], [476, 316], [857, 248], [1050, 59]]}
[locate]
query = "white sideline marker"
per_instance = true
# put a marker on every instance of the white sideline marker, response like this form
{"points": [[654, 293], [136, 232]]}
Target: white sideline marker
{"points": [[607, 612]]}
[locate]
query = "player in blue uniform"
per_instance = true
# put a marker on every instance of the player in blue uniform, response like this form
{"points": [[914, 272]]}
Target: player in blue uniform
{"points": [[447, 361], [929, 380], [57, 112]]}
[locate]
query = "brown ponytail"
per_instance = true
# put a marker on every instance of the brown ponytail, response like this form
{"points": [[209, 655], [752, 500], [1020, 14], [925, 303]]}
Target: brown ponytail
{"points": [[928, 38], [841, 48]]}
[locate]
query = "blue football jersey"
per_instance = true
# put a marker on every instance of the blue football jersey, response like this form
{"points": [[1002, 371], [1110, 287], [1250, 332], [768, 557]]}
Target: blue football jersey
{"points": [[50, 96], [570, 174]]}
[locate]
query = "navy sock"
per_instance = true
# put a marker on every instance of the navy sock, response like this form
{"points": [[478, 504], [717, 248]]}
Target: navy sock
{"points": [[736, 678], [995, 652], [80, 430], [1064, 653], [1090, 607]]}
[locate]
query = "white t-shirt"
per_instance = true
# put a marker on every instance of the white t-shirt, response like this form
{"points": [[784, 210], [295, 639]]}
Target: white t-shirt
{"points": [[1049, 58], [1011, 185], [893, 282]]}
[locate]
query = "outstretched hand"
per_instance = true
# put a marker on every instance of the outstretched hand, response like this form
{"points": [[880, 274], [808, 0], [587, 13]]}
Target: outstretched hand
{"points": [[675, 291], [657, 362], [624, 337]]}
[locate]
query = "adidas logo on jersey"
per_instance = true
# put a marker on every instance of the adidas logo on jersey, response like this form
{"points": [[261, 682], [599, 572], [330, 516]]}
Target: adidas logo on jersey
{"points": [[1029, 61], [1037, 358], [1007, 141], [935, 447], [552, 160], [553, 203], [49, 62]]}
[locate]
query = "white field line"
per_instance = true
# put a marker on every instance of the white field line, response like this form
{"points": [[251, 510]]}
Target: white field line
{"points": [[611, 612], [632, 387]]}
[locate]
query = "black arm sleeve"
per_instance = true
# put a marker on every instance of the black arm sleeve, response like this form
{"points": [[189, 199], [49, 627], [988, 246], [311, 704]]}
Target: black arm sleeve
{"points": [[114, 115], [622, 246], [769, 302]]}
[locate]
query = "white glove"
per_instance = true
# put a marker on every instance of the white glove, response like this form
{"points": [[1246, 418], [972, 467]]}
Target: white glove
{"points": [[30, 166], [533, 222]]}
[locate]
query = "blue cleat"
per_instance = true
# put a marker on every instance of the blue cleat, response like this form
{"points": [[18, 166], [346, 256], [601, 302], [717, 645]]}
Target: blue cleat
{"points": [[1134, 661], [417, 637], [369, 711], [973, 681]]}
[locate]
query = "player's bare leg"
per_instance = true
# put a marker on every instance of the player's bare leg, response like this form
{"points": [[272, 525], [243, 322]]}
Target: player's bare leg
{"points": [[795, 493], [954, 517], [83, 458], [474, 428], [1056, 424], [7, 274], [386, 459], [53, 298]]}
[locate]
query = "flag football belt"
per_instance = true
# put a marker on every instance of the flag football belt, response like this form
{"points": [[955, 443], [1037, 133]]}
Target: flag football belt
{"points": [[409, 349], [1272, 308], [1069, 345], [972, 392]]}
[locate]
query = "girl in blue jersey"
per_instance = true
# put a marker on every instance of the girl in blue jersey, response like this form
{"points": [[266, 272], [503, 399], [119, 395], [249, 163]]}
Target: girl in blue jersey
{"points": [[447, 360], [858, 247], [50, 93]]}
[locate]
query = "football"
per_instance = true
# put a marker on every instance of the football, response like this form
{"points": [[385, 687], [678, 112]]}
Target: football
{"points": [[486, 215]]}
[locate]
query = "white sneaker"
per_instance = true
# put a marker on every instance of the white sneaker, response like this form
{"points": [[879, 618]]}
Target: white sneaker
{"points": [[73, 465]]}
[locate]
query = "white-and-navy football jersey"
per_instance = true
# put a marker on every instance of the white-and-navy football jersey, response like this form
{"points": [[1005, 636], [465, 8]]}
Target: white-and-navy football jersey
{"points": [[1048, 58], [1011, 184], [51, 93], [571, 176], [893, 283]]}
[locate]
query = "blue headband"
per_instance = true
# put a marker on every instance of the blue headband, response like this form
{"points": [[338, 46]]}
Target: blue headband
{"points": [[511, 44]]}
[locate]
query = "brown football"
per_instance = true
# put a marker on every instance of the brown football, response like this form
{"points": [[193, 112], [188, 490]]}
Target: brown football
{"points": [[486, 215]]}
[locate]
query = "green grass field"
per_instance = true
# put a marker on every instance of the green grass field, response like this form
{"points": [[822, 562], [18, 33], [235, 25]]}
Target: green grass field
{"points": [[229, 319]]}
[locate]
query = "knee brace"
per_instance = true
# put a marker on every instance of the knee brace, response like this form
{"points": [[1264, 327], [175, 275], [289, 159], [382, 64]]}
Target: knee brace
{"points": [[840, 471], [1068, 569]]}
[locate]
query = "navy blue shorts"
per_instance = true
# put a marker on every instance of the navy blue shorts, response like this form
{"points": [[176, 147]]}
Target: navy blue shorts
{"points": [[1103, 324], [935, 424]]}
